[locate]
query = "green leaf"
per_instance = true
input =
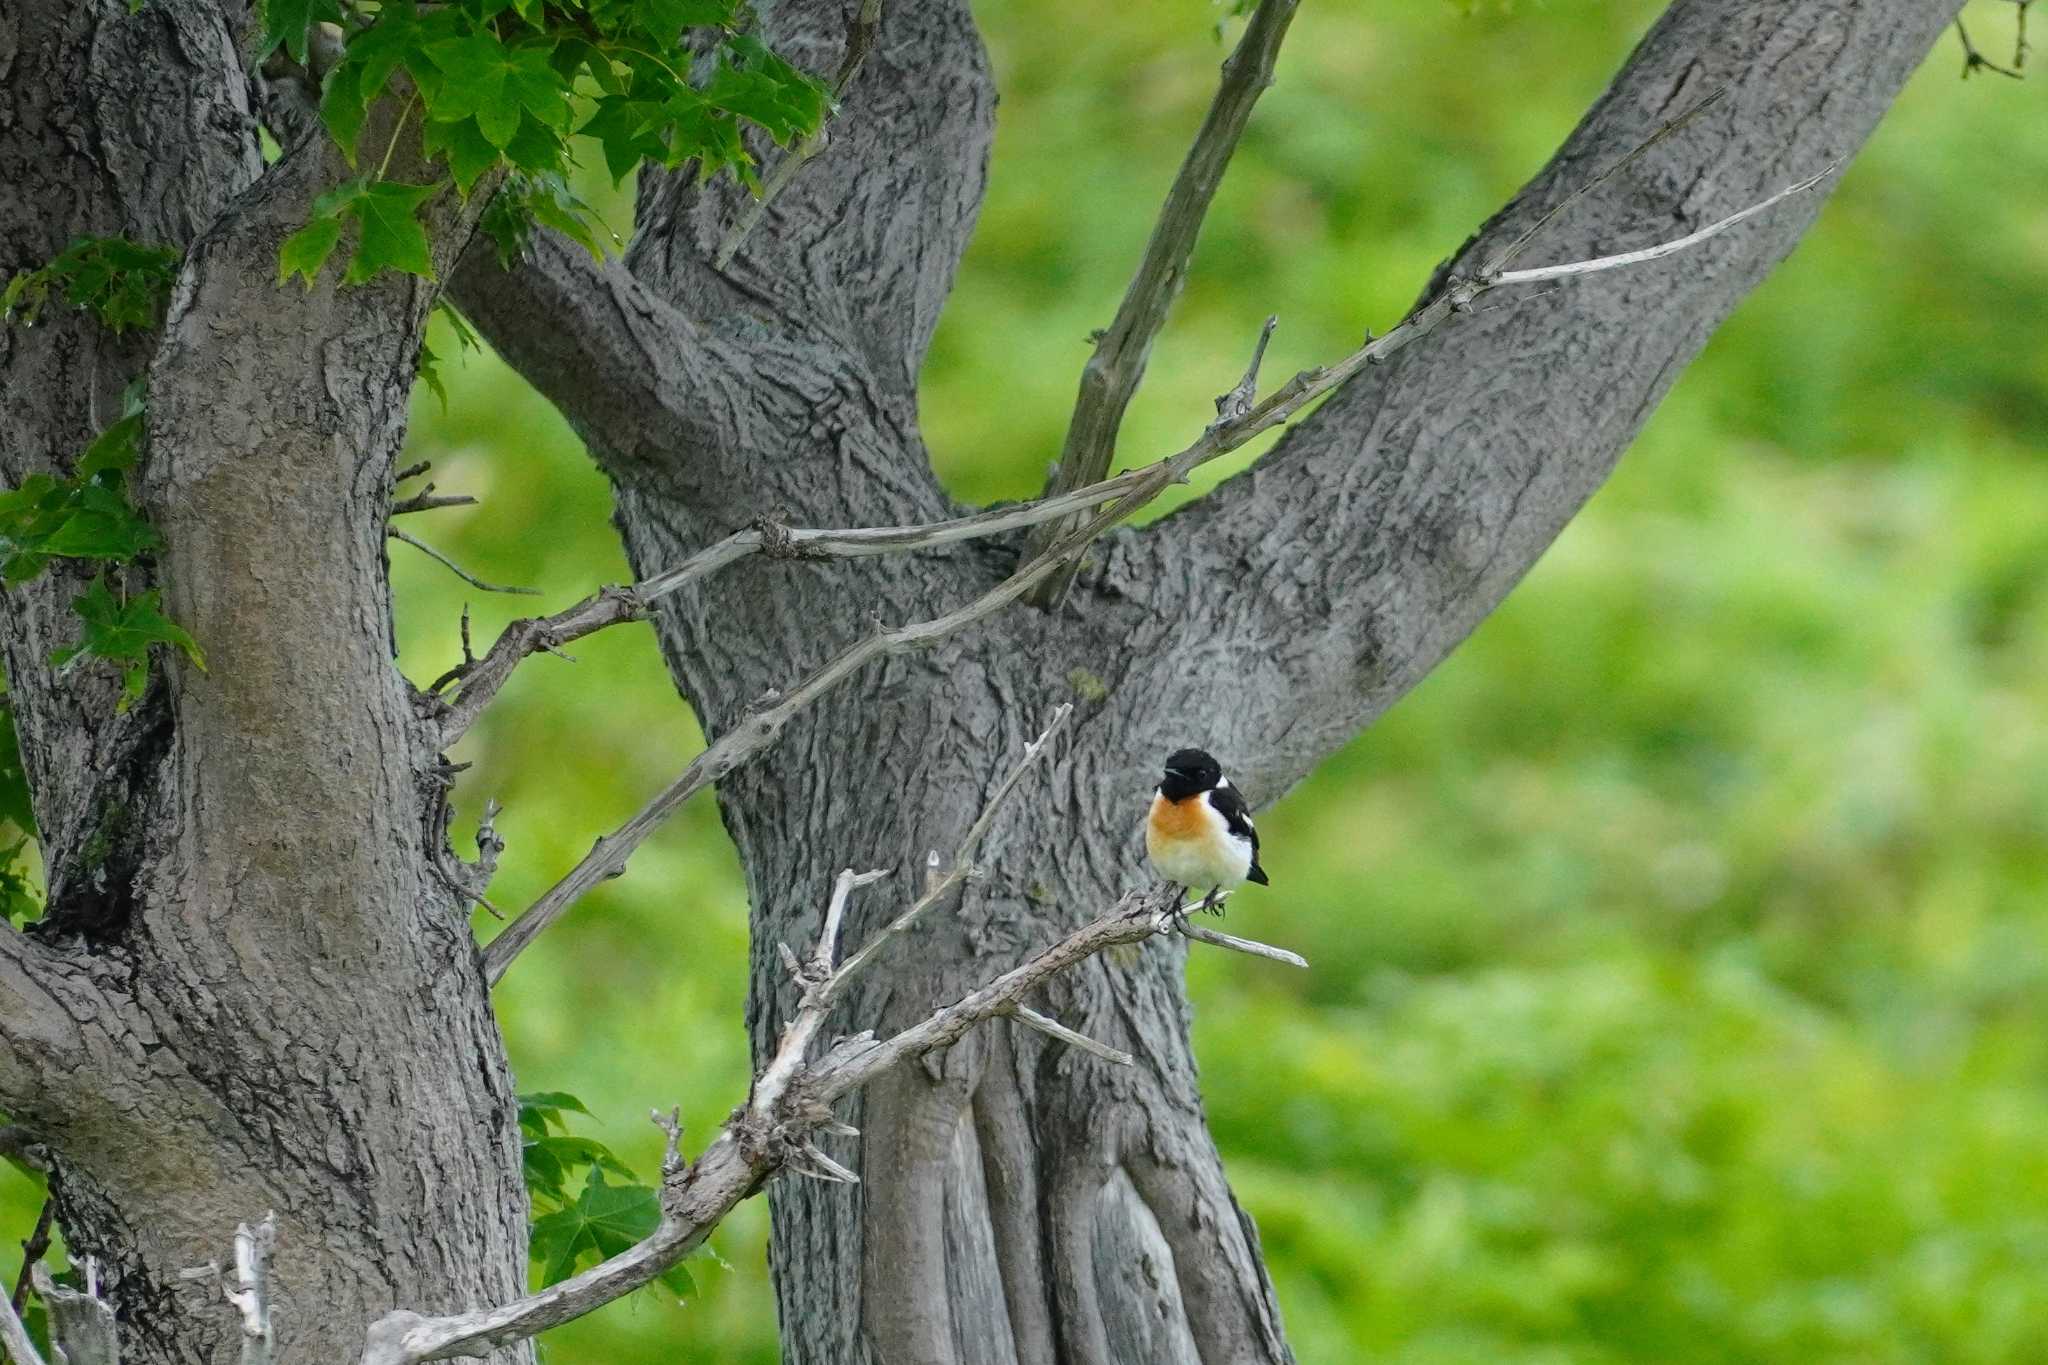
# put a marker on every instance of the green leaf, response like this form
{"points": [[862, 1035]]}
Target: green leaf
{"points": [[554, 1102], [469, 153], [603, 1221], [287, 22], [679, 1282], [116, 448], [19, 902], [121, 282], [344, 107], [15, 804], [306, 251], [122, 633], [756, 84], [390, 237]]}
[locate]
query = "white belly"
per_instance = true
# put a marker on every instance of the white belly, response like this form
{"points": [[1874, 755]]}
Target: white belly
{"points": [[1211, 856]]}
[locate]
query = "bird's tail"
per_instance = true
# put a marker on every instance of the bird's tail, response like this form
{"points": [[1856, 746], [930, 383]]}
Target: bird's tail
{"points": [[1257, 874]]}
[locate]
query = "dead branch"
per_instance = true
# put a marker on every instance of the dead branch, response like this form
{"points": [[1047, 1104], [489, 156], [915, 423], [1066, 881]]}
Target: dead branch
{"points": [[1115, 370]]}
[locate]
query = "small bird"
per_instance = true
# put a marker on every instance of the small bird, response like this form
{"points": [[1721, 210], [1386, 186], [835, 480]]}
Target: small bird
{"points": [[1199, 832]]}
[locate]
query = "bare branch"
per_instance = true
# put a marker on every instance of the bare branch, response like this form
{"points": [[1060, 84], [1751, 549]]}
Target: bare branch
{"points": [[1975, 61], [1218, 939], [250, 1292], [790, 1102], [14, 1336], [1053, 1028], [454, 568], [867, 23], [426, 500], [1662, 249], [1114, 371]]}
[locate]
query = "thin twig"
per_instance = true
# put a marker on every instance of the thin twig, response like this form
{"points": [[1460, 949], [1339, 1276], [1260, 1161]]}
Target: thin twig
{"points": [[753, 734], [860, 41], [1080, 1042], [1113, 373], [1514, 248], [428, 501], [1216, 938], [1662, 249], [32, 1251], [1975, 61], [454, 568]]}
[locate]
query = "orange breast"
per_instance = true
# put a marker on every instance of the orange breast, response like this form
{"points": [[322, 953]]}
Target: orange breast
{"points": [[1173, 820]]}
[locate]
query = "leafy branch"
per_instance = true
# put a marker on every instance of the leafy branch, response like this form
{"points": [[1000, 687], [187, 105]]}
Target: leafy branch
{"points": [[121, 282], [501, 86]]}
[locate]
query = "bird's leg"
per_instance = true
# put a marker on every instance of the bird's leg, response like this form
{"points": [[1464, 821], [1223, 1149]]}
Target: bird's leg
{"points": [[1209, 901]]}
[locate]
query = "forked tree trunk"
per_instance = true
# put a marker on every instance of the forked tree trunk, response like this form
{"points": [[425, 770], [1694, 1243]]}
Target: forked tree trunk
{"points": [[255, 992], [1020, 1203]]}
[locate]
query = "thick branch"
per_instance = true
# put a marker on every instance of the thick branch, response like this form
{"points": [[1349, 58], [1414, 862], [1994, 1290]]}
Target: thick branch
{"points": [[1113, 373], [559, 319], [1389, 523]]}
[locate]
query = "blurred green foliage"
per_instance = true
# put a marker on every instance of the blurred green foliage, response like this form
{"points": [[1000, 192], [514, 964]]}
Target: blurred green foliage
{"points": [[1681, 958]]}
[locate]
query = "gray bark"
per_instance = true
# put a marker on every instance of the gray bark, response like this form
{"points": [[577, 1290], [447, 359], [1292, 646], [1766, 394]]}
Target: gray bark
{"points": [[253, 992], [250, 992], [1020, 1203]]}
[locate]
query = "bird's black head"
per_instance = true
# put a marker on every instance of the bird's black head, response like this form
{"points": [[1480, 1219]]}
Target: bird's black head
{"points": [[1189, 771]]}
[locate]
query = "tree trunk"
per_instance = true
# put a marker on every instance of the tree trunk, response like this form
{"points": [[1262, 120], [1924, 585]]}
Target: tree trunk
{"points": [[259, 995], [1021, 1203]]}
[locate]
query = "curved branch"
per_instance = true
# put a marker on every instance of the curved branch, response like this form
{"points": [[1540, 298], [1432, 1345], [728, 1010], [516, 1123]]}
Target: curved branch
{"points": [[560, 318], [1374, 538]]}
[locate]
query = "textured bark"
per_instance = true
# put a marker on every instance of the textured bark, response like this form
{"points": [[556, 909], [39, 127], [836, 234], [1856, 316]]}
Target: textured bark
{"points": [[1019, 1202], [251, 992]]}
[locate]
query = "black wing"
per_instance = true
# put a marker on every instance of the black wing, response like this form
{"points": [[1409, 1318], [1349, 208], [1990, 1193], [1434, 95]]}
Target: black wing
{"points": [[1237, 816]]}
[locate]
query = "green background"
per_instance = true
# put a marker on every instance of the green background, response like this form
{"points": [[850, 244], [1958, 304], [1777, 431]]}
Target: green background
{"points": [[1681, 967]]}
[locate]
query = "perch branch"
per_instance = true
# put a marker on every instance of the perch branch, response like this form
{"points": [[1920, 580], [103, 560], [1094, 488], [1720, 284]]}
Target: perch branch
{"points": [[1115, 370], [607, 857], [790, 1103], [860, 41]]}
